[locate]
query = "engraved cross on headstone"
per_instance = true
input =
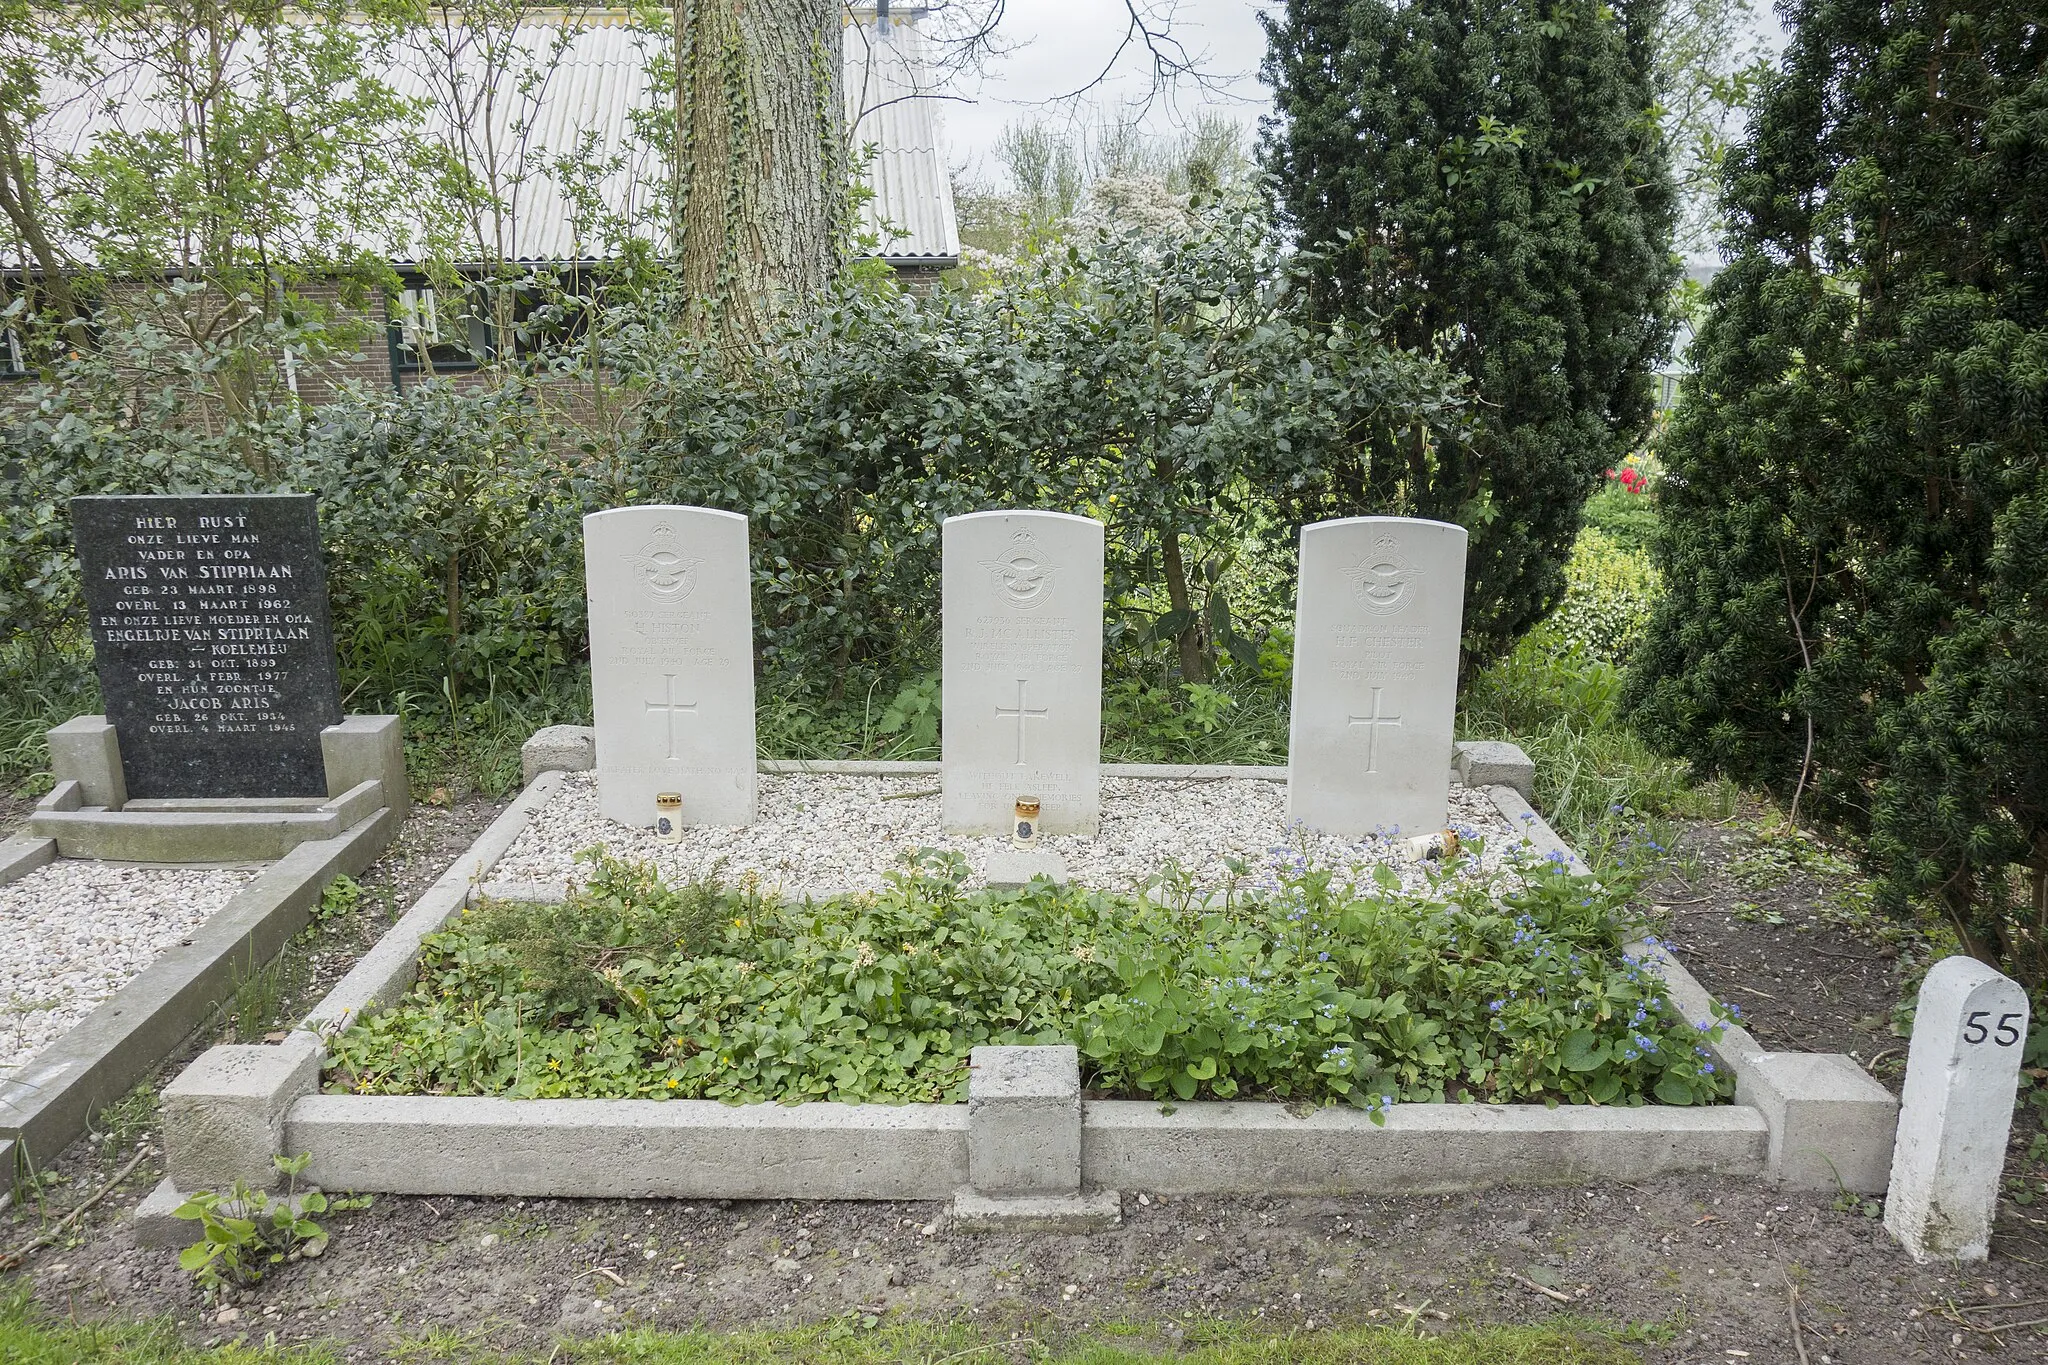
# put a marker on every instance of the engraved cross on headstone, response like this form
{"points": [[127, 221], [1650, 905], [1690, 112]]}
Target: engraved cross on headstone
{"points": [[1372, 724], [1022, 715], [670, 707]]}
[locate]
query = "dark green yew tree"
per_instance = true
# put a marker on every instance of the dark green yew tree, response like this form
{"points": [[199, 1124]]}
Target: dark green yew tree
{"points": [[1856, 522], [1485, 177]]}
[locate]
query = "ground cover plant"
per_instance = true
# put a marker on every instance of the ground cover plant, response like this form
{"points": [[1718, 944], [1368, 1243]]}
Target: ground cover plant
{"points": [[1293, 985]]}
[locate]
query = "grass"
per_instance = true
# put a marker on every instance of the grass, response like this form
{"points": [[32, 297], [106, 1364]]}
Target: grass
{"points": [[1596, 779], [28, 1337], [43, 682]]}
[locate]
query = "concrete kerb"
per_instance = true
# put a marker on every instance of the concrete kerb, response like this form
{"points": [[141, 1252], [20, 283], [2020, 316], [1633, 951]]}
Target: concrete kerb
{"points": [[384, 973], [47, 1103], [208, 1132], [23, 854], [691, 1149], [1475, 763], [1831, 1125]]}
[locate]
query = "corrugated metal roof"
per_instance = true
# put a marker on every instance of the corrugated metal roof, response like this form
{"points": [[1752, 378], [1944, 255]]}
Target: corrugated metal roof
{"points": [[575, 90], [888, 105]]}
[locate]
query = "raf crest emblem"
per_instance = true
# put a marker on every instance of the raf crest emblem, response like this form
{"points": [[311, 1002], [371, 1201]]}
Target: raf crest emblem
{"points": [[1021, 577], [663, 571], [1385, 580]]}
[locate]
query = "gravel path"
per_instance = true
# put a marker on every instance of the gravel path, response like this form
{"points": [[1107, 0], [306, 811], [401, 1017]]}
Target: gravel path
{"points": [[821, 833], [74, 932]]}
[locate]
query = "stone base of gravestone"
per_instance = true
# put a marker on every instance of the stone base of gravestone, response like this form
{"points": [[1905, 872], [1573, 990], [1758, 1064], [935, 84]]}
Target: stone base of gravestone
{"points": [[89, 814]]}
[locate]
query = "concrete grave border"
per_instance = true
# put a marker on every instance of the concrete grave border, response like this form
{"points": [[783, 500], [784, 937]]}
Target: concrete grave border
{"points": [[50, 1100], [1026, 1151]]}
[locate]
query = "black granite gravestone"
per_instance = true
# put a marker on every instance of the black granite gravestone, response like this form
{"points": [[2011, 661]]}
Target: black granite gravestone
{"points": [[211, 633]]}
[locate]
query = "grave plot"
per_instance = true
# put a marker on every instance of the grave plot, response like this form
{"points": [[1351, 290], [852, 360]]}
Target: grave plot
{"points": [[72, 933], [825, 832], [1258, 987], [1291, 978], [1310, 1037], [223, 746]]}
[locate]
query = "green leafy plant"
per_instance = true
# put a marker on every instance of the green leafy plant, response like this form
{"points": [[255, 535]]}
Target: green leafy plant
{"points": [[570, 953], [913, 713], [1296, 984], [1609, 594], [244, 1233], [338, 898]]}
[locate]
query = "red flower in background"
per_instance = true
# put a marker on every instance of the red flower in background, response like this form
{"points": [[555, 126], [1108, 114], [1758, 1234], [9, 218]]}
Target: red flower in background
{"points": [[1634, 480]]}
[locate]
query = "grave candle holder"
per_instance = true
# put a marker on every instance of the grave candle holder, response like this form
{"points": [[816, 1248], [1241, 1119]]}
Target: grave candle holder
{"points": [[668, 817], [1024, 829], [1441, 846]]}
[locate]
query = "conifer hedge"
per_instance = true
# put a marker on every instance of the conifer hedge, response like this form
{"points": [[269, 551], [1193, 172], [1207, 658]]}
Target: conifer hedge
{"points": [[1485, 177], [1855, 523]]}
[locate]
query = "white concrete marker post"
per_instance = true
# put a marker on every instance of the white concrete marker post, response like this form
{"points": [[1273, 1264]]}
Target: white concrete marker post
{"points": [[672, 662], [1022, 706], [1378, 611], [1962, 1072]]}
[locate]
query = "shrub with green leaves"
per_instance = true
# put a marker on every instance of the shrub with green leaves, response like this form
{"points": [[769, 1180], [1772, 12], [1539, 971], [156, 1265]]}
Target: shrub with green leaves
{"points": [[1294, 986], [1610, 591], [1855, 518], [1485, 182]]}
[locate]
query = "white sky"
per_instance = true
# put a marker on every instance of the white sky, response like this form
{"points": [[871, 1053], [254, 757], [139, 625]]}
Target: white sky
{"points": [[1063, 44]]}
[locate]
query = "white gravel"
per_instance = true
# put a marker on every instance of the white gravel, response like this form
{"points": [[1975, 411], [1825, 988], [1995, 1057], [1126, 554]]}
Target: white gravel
{"points": [[73, 932], [821, 833]]}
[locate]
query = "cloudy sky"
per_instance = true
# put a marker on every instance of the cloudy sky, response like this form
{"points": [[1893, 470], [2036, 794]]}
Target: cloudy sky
{"points": [[1062, 45]]}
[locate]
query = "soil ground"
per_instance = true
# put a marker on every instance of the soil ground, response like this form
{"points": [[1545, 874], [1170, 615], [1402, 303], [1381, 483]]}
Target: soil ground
{"points": [[1707, 1269], [14, 812]]}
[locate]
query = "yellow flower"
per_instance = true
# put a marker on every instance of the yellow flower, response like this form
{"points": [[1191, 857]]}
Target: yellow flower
{"points": [[673, 1082]]}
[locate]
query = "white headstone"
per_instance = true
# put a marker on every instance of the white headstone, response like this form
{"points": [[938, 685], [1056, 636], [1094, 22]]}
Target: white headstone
{"points": [[672, 662], [1022, 711], [1962, 1072], [1378, 609]]}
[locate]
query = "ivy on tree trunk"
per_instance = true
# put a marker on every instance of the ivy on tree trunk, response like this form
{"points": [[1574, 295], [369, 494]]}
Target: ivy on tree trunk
{"points": [[760, 163]]}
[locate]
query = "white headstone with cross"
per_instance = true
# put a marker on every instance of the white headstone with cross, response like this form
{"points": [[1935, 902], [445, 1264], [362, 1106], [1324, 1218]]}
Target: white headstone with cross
{"points": [[1022, 711], [1378, 609], [672, 662], [1955, 1114]]}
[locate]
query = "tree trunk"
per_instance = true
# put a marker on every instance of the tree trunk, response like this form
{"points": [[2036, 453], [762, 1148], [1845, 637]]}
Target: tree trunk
{"points": [[451, 595], [23, 210], [1192, 667], [761, 165]]}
